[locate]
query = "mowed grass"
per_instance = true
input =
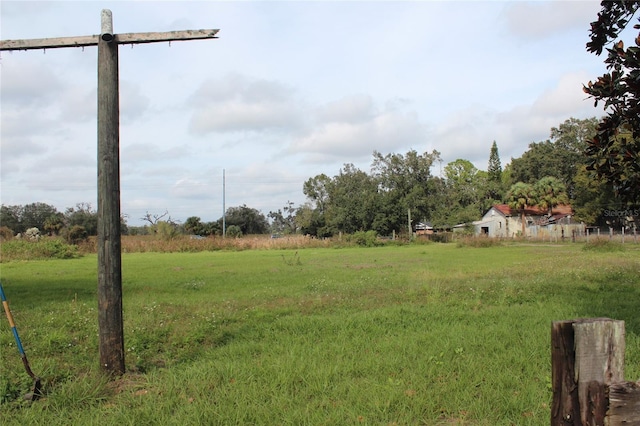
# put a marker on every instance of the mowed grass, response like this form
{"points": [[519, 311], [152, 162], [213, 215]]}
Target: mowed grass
{"points": [[405, 335]]}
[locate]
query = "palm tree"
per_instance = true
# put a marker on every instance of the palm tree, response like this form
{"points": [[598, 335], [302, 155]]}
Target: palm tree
{"points": [[551, 192], [520, 196]]}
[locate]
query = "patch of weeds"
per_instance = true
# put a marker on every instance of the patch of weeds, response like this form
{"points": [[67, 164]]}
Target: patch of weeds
{"points": [[293, 260], [9, 390], [603, 245], [364, 239], [194, 285], [478, 242], [80, 392]]}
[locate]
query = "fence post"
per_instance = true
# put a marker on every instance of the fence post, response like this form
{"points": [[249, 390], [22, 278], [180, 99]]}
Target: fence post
{"points": [[586, 356]]}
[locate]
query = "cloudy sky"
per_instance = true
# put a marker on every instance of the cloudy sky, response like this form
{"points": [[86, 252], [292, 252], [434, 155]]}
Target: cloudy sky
{"points": [[289, 90]]}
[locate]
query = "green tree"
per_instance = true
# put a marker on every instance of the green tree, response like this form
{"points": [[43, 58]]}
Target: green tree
{"points": [[560, 156], [310, 221], [54, 223], [591, 195], [83, 215], [34, 215], [520, 196], [405, 183], [614, 152], [464, 192], [570, 139], [462, 178], [354, 198], [550, 192], [10, 217], [538, 161], [317, 190], [194, 226], [494, 185], [234, 231], [74, 234], [284, 222], [249, 220], [494, 169]]}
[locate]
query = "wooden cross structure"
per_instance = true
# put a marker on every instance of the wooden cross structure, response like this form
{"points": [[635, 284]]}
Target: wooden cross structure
{"points": [[111, 330]]}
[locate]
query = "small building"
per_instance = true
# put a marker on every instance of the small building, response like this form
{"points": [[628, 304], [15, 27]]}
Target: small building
{"points": [[500, 221], [423, 228]]}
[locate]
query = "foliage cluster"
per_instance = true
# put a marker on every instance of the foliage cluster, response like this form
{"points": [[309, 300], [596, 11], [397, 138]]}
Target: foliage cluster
{"points": [[74, 225], [614, 151], [45, 248], [364, 238]]}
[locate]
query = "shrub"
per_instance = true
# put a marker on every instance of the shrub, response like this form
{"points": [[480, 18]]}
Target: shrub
{"points": [[42, 249], [441, 237], [167, 231], [234, 231], [5, 233], [75, 235], [364, 238]]}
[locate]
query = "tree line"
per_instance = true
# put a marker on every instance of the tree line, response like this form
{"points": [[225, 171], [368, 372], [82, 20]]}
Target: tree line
{"points": [[397, 192], [79, 222]]}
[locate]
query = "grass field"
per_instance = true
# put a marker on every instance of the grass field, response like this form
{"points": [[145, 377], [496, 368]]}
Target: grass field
{"points": [[403, 335]]}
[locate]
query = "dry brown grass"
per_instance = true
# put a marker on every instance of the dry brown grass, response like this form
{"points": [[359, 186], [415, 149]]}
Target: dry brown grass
{"points": [[152, 243]]}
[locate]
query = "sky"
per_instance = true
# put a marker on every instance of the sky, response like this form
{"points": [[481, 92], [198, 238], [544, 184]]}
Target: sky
{"points": [[287, 91]]}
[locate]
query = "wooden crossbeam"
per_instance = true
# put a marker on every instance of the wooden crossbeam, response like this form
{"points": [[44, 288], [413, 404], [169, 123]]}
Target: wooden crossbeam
{"points": [[92, 40]]}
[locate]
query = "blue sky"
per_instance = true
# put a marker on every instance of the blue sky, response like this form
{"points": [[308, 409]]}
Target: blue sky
{"points": [[289, 90]]}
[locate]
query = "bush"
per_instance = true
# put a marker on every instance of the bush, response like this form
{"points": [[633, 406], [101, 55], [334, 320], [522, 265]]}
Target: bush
{"points": [[42, 249], [441, 237], [167, 231], [364, 238], [5, 233], [234, 231], [75, 235]]}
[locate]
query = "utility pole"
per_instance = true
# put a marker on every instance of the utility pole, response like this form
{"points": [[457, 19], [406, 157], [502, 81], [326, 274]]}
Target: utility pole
{"points": [[110, 323]]}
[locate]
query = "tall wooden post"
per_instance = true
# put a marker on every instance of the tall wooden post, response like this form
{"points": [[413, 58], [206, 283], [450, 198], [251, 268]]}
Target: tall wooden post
{"points": [[110, 324]]}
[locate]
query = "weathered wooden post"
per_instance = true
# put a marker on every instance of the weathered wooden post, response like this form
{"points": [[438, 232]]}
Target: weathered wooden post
{"points": [[587, 356], [110, 324]]}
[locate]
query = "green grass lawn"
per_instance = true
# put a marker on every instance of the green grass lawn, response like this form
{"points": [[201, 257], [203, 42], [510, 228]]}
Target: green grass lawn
{"points": [[403, 335]]}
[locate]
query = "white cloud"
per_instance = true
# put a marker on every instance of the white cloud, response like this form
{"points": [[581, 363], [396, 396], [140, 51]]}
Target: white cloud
{"points": [[25, 82], [350, 130], [190, 188], [237, 103], [147, 152], [352, 109]]}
